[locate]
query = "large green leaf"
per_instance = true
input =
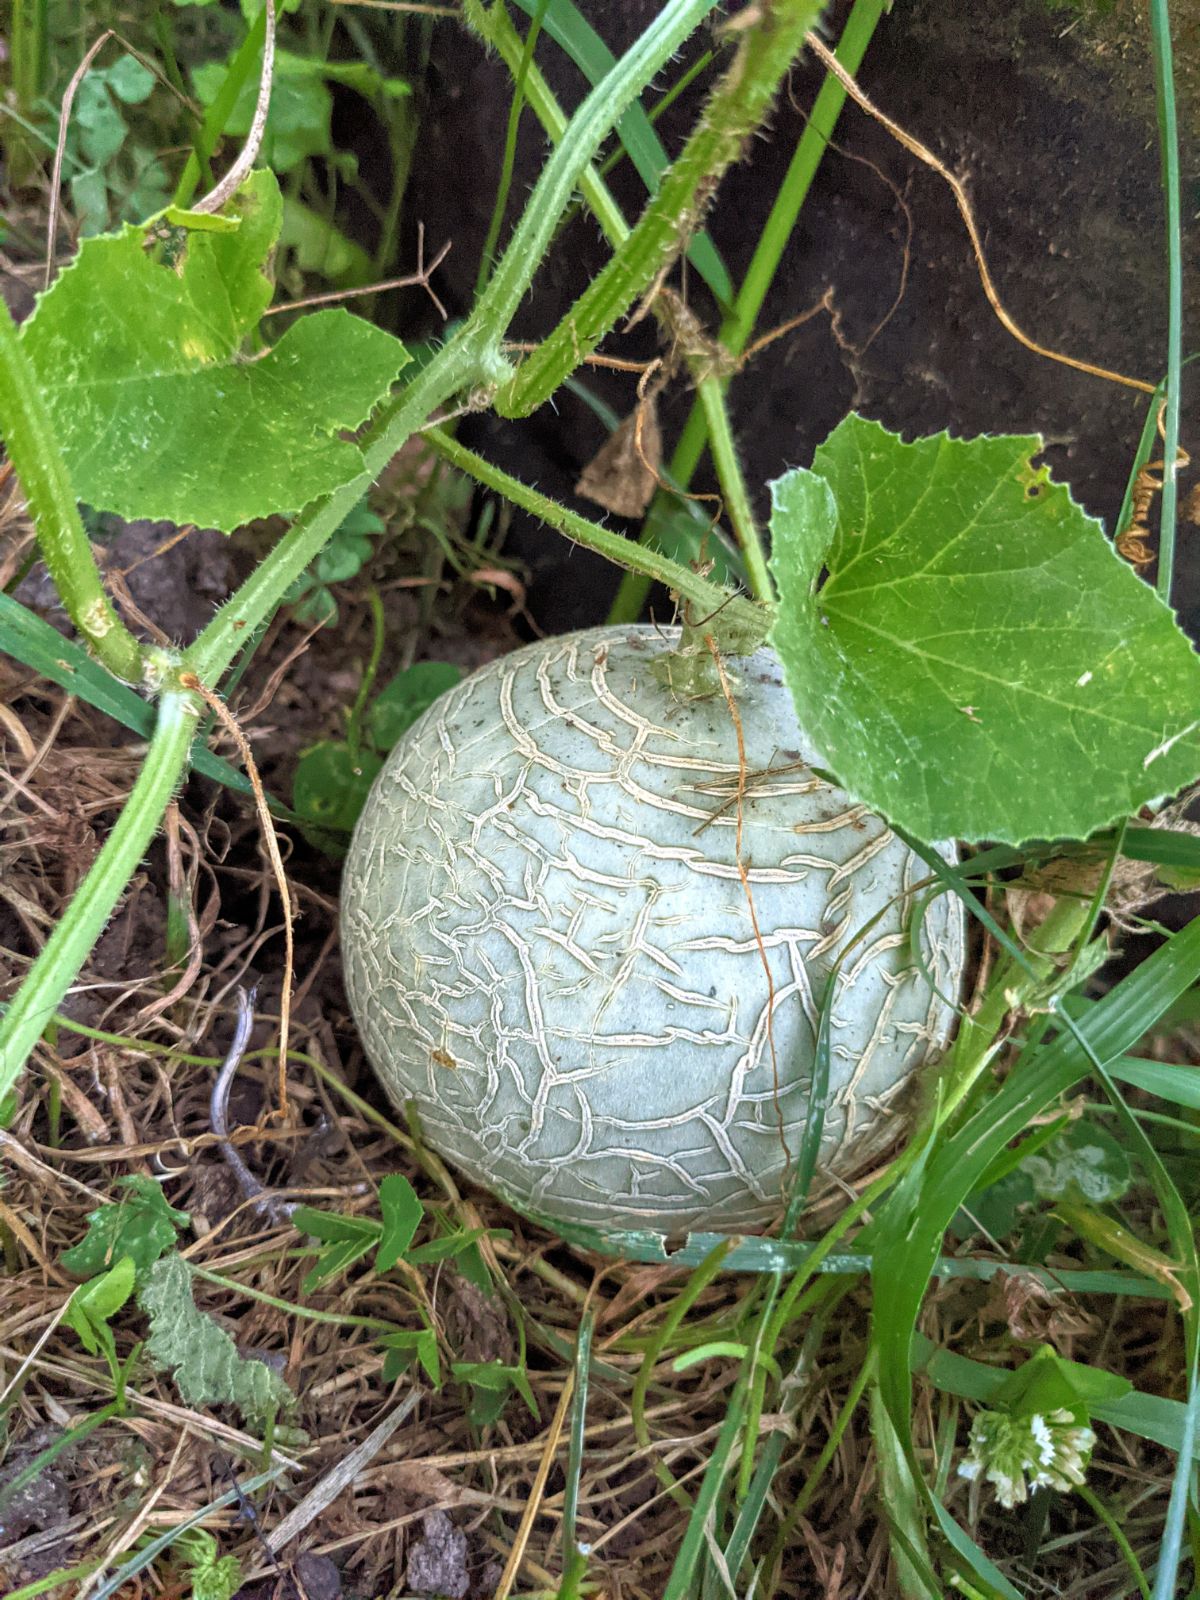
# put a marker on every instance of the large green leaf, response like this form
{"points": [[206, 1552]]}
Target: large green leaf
{"points": [[966, 651], [159, 409]]}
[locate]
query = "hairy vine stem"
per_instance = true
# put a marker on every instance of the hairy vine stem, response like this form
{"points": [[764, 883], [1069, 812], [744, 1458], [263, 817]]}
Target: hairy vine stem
{"points": [[738, 325], [496, 28], [739, 625], [472, 360], [68, 947], [735, 109], [34, 453]]}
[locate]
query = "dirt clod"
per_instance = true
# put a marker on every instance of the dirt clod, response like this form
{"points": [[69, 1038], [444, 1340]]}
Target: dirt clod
{"points": [[437, 1563]]}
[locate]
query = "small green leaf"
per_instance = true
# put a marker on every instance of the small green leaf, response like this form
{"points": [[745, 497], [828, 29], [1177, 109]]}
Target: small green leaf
{"points": [[92, 1305], [333, 1260], [473, 1267], [312, 602], [360, 520], [1047, 1382], [301, 108], [332, 784], [141, 1227], [160, 415], [454, 1244], [208, 1368], [102, 128], [364, 79], [129, 80], [104, 1296], [1082, 1162], [342, 558], [402, 1348], [965, 649], [333, 1226], [89, 201], [402, 1213], [320, 248], [344, 1239], [491, 1383], [408, 696], [995, 1207], [152, 190]]}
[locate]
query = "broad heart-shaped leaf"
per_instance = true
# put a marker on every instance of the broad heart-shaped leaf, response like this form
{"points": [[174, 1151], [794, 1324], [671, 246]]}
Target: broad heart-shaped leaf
{"points": [[159, 410], [966, 651]]}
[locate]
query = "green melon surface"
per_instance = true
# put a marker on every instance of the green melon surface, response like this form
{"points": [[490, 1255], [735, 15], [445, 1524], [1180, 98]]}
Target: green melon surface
{"points": [[549, 949]]}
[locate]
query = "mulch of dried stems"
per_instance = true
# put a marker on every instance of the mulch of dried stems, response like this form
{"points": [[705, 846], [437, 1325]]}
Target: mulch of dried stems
{"points": [[127, 1108]]}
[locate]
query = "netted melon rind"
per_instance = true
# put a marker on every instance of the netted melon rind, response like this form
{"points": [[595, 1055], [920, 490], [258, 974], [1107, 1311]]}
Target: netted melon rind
{"points": [[548, 945]]}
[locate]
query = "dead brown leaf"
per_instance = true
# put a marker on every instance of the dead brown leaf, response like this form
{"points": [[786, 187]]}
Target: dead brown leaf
{"points": [[623, 474]]}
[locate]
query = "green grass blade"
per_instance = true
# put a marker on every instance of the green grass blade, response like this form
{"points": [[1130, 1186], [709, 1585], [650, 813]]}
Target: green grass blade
{"points": [[981, 1567], [575, 1555], [1165, 1577], [768, 252], [814, 1121], [1165, 847], [681, 1584], [509, 159], [919, 1212], [904, 1507], [1180, 1085], [31, 640], [754, 1503], [53, 1580], [1168, 131], [857, 34]]}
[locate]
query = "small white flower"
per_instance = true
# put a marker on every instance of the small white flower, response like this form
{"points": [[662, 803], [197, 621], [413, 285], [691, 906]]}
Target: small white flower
{"points": [[1053, 1451], [1041, 1435]]}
